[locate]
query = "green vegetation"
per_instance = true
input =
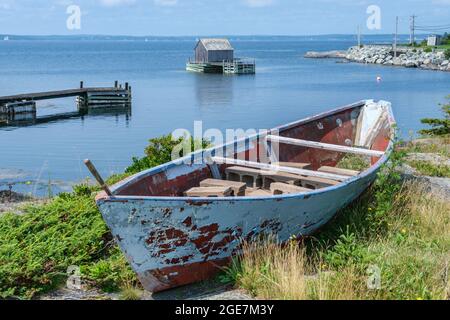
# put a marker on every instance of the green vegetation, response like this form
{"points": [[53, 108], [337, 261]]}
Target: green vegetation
{"points": [[440, 127], [396, 229], [447, 53], [160, 151], [37, 248], [439, 146], [429, 169], [354, 162], [445, 44]]}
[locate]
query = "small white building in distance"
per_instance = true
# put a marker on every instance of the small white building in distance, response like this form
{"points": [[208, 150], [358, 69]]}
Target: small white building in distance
{"points": [[434, 40]]}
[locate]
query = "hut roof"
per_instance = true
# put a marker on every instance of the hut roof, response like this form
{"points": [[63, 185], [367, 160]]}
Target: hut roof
{"points": [[216, 44]]}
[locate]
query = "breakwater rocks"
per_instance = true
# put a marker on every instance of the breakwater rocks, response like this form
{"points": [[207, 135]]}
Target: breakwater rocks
{"points": [[326, 54], [384, 55]]}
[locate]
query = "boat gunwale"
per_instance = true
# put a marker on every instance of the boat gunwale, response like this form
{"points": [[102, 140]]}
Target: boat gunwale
{"points": [[102, 197]]}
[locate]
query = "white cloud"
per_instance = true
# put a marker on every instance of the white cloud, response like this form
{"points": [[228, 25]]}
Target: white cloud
{"points": [[258, 3]]}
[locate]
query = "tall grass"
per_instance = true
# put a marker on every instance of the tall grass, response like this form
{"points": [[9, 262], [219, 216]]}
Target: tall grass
{"points": [[412, 255]]}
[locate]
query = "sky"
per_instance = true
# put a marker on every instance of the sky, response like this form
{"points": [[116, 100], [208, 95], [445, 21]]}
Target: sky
{"points": [[214, 17]]}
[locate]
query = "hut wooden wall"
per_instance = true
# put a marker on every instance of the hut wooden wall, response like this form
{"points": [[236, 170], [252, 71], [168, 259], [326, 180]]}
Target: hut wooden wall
{"points": [[220, 55], [201, 54]]}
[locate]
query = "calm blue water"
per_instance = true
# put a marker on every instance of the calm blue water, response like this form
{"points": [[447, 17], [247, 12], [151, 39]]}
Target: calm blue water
{"points": [[165, 97]]}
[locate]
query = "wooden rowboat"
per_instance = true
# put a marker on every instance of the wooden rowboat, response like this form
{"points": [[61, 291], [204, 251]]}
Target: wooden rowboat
{"points": [[180, 223]]}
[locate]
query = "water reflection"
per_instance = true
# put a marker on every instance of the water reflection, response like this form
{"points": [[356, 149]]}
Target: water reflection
{"points": [[30, 119], [214, 89]]}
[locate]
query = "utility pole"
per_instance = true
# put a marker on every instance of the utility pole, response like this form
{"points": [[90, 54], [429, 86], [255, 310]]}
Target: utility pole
{"points": [[413, 28], [359, 36], [396, 37]]}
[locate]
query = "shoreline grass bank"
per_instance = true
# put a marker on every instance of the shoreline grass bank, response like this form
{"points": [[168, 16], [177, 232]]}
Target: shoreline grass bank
{"points": [[400, 229]]}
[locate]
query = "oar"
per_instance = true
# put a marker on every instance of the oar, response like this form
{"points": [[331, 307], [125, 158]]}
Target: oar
{"points": [[98, 177]]}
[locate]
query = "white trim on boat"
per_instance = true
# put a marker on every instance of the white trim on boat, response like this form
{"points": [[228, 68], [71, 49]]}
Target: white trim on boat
{"points": [[325, 146], [269, 167]]}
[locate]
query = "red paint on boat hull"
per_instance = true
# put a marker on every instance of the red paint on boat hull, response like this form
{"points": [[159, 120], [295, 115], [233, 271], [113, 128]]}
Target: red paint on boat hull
{"points": [[172, 277]]}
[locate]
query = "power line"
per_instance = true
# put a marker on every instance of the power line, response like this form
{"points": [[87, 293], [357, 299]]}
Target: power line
{"points": [[432, 29], [439, 26]]}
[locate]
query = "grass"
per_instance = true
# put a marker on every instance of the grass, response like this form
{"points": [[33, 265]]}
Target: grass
{"points": [[411, 254], [396, 229], [354, 162], [438, 146], [37, 248], [400, 229], [429, 169]]}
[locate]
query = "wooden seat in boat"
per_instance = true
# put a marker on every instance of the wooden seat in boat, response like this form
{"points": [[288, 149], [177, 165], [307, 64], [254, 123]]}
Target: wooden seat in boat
{"points": [[210, 192], [317, 183], [237, 187], [278, 188], [251, 177], [343, 172]]}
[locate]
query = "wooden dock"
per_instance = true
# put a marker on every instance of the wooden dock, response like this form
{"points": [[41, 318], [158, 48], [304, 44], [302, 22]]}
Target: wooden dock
{"points": [[86, 98], [30, 119], [237, 66]]}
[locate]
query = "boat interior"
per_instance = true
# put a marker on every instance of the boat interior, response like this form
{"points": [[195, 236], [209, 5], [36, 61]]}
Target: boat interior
{"points": [[301, 157]]}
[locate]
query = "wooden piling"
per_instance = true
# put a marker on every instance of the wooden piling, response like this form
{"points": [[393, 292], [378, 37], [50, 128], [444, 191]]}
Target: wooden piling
{"points": [[86, 97]]}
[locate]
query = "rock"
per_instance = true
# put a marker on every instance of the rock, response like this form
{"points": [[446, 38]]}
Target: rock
{"points": [[397, 61], [432, 158], [13, 202], [410, 64], [382, 55], [438, 187], [326, 54]]}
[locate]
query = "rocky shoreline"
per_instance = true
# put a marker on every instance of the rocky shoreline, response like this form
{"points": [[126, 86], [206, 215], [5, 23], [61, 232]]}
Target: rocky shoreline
{"points": [[384, 55]]}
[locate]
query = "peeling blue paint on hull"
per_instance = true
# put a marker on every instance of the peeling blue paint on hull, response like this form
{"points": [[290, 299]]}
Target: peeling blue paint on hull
{"points": [[159, 235], [171, 240]]}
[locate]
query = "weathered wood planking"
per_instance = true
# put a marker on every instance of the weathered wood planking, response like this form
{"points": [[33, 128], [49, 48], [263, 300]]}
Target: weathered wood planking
{"points": [[269, 167], [325, 146]]}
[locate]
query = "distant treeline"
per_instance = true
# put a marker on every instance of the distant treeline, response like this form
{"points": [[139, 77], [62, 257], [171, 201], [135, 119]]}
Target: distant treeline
{"points": [[329, 37]]}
